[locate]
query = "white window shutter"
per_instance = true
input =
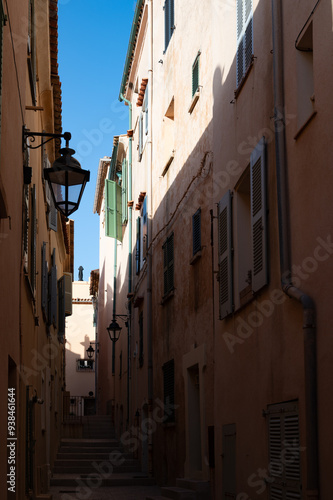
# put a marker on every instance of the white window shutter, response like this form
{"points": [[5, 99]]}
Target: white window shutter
{"points": [[259, 217], [225, 255]]}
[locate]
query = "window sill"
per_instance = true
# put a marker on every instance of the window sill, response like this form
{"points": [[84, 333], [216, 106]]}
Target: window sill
{"points": [[168, 296], [195, 257], [305, 124], [194, 101], [243, 80]]}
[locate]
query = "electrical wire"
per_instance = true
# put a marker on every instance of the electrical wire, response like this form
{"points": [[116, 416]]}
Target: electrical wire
{"points": [[15, 64]]}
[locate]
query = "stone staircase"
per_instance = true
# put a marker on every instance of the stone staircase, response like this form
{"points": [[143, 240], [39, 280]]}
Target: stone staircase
{"points": [[96, 460], [185, 489]]}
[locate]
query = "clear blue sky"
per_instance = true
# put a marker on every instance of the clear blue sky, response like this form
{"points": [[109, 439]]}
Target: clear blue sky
{"points": [[93, 41]]}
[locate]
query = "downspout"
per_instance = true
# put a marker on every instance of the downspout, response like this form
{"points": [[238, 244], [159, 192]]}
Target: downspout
{"points": [[309, 319], [130, 218], [150, 250]]}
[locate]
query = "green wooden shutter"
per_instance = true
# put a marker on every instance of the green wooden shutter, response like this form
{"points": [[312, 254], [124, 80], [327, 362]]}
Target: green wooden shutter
{"points": [[124, 190], [195, 75], [225, 255], [113, 216], [259, 217]]}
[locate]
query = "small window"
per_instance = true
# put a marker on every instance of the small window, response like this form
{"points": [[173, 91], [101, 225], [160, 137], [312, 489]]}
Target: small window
{"points": [[141, 340], [169, 21], [244, 38], [195, 74], [196, 230], [168, 259], [169, 391], [84, 365]]}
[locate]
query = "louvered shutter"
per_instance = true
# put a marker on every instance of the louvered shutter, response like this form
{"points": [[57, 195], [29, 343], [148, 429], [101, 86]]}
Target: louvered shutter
{"points": [[195, 75], [169, 390], [61, 308], [138, 245], [140, 135], [68, 293], [170, 263], [225, 255], [146, 109], [124, 188], [196, 231], [33, 269], [284, 451], [44, 284], [144, 228], [259, 217], [26, 213], [113, 216], [166, 24], [53, 302], [229, 462], [53, 214], [244, 37]]}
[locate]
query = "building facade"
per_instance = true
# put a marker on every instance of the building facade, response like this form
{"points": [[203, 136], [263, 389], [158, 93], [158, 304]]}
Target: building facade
{"points": [[216, 247], [36, 251]]}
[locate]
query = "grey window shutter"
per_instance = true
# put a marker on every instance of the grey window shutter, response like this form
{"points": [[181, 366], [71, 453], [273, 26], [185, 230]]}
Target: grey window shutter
{"points": [[44, 284], [195, 75], [225, 255], [53, 302], [61, 308], [259, 216], [53, 215], [146, 108], [26, 213], [166, 24], [168, 268], [284, 451], [229, 462], [33, 269], [124, 194]]}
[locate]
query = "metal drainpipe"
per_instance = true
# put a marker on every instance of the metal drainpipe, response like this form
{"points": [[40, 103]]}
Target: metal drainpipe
{"points": [[130, 217], [309, 319]]}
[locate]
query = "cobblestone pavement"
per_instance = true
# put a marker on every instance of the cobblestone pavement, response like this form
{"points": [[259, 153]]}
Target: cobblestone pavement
{"points": [[108, 493]]}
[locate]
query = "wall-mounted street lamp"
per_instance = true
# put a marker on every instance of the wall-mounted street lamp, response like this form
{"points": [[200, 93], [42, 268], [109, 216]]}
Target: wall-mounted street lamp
{"points": [[66, 178], [91, 351], [114, 329]]}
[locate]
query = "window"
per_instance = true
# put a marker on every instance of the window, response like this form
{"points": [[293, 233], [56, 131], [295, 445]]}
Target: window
{"points": [[124, 187], [244, 38], [64, 302], [84, 365], [305, 85], [196, 230], [113, 213], [44, 284], [168, 265], [243, 268], [52, 293], [30, 235], [284, 451], [169, 21], [141, 340], [169, 391], [195, 75], [141, 237], [143, 120]]}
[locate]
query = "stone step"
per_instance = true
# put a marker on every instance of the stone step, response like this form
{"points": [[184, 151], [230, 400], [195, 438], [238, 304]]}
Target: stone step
{"points": [[96, 455], [202, 488], [88, 442], [158, 497], [97, 481], [80, 469], [178, 493]]}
